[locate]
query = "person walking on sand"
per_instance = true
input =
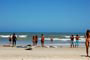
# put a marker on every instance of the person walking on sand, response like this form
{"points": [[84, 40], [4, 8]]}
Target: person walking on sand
{"points": [[42, 40], [87, 41], [77, 41], [10, 39], [72, 41], [14, 39]]}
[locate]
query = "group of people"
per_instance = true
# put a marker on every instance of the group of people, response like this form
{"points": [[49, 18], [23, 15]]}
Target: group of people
{"points": [[35, 40], [12, 40], [76, 44], [87, 36]]}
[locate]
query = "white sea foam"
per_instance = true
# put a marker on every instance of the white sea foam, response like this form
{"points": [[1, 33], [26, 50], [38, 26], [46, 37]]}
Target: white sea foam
{"points": [[82, 36], [67, 38], [82, 39], [4, 36], [22, 36], [74, 36], [64, 39]]}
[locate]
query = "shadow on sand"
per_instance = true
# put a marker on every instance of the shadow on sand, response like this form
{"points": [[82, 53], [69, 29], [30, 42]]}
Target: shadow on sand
{"points": [[84, 56]]}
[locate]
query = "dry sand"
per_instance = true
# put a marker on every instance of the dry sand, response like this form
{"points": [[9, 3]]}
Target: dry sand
{"points": [[64, 53]]}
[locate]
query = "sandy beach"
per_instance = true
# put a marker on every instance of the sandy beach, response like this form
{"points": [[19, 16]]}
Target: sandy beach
{"points": [[39, 53]]}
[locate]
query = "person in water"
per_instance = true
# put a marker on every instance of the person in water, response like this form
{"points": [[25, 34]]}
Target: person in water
{"points": [[77, 41], [87, 41], [51, 39], [14, 39], [36, 40], [42, 40], [72, 41], [10, 39]]}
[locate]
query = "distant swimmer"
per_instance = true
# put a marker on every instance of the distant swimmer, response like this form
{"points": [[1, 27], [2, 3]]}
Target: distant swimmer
{"points": [[51, 39]]}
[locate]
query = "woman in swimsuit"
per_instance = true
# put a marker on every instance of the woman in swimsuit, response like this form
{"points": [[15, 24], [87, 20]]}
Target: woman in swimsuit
{"points": [[87, 41], [42, 40]]}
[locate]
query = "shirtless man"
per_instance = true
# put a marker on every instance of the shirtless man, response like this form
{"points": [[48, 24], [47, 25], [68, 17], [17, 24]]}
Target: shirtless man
{"points": [[72, 41], [14, 39], [77, 41]]}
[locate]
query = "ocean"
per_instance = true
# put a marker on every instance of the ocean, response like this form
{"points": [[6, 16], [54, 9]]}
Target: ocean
{"points": [[25, 38]]}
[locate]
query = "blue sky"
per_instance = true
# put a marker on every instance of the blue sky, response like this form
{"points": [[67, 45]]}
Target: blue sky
{"points": [[44, 15]]}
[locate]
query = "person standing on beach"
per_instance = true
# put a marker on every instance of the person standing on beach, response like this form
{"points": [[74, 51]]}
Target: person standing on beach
{"points": [[14, 39], [87, 41], [36, 40], [10, 39], [72, 41], [77, 41], [33, 40], [42, 40]]}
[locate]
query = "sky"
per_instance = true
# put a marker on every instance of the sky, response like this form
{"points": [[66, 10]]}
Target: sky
{"points": [[44, 15]]}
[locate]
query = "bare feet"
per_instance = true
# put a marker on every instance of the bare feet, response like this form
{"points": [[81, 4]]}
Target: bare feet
{"points": [[87, 56]]}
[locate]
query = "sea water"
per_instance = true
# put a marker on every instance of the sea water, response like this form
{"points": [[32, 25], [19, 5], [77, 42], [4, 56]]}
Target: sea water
{"points": [[25, 38]]}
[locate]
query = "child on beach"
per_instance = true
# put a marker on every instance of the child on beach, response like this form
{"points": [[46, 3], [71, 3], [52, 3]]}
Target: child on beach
{"points": [[42, 40], [77, 41], [72, 41], [87, 41]]}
